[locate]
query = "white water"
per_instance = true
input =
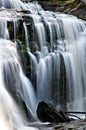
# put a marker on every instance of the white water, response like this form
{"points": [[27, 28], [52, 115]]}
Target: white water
{"points": [[16, 4], [19, 5], [67, 36], [12, 78], [4, 31], [59, 38]]}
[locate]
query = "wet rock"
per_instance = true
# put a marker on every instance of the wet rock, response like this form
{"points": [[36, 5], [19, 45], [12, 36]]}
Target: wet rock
{"points": [[77, 7], [47, 113]]}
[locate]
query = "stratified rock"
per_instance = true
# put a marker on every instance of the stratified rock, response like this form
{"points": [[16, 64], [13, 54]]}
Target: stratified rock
{"points": [[47, 113]]}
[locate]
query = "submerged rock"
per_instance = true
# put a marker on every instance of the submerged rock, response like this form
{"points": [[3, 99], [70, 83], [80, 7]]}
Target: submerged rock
{"points": [[47, 113]]}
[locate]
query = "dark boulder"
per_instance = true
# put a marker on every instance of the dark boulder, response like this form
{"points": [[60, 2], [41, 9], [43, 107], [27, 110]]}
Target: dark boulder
{"points": [[47, 113]]}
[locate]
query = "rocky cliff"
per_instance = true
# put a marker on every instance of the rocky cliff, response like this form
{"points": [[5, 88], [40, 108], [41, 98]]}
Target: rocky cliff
{"points": [[77, 8]]}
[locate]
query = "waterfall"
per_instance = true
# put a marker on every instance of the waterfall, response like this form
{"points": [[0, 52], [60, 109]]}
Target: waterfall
{"points": [[11, 117], [19, 5], [66, 37], [13, 81], [12, 68], [56, 46], [16, 4], [33, 7], [3, 29]]}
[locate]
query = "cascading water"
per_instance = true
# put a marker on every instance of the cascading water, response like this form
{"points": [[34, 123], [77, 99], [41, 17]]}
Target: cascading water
{"points": [[16, 4], [66, 39], [19, 5], [13, 80], [58, 62], [4, 31]]}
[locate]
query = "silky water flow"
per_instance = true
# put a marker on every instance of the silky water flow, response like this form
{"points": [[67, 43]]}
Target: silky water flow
{"points": [[59, 62]]}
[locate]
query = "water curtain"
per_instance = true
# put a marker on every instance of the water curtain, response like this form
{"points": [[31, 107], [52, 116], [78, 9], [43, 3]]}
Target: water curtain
{"points": [[54, 51]]}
